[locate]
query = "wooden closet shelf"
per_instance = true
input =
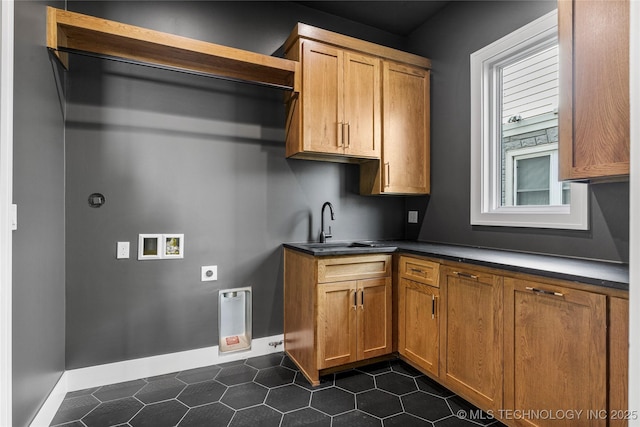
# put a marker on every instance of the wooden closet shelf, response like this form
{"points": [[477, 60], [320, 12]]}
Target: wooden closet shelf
{"points": [[78, 33]]}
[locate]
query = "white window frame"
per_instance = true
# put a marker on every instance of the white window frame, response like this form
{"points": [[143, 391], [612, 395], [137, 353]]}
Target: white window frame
{"points": [[486, 197]]}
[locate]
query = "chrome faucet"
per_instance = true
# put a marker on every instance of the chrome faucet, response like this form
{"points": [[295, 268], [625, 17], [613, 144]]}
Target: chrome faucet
{"points": [[324, 236]]}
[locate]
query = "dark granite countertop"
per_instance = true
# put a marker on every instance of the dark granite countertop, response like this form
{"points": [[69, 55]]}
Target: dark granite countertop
{"points": [[594, 272], [344, 248]]}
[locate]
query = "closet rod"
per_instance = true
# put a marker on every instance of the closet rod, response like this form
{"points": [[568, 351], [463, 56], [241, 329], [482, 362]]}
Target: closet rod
{"points": [[168, 68]]}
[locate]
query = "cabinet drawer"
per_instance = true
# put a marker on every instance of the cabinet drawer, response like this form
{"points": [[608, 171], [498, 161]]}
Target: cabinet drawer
{"points": [[353, 268], [420, 270]]}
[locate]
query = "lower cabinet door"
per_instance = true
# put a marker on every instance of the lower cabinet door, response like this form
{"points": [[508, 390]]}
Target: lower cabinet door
{"points": [[418, 324], [618, 362], [374, 317], [471, 361], [555, 355], [337, 326]]}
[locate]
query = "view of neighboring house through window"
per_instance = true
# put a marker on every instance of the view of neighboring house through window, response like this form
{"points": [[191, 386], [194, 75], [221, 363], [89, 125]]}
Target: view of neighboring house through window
{"points": [[530, 131]]}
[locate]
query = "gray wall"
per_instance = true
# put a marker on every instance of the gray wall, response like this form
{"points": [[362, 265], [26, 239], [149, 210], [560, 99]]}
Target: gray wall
{"points": [[174, 153], [38, 244], [448, 39]]}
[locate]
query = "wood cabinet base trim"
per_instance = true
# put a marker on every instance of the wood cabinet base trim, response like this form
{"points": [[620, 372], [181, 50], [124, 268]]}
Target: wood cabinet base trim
{"points": [[357, 364], [314, 380], [314, 377]]}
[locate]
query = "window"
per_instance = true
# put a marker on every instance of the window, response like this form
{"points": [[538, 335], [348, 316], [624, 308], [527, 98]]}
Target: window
{"points": [[514, 134]]}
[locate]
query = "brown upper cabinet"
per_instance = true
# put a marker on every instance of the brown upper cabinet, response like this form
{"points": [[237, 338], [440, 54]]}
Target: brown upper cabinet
{"points": [[594, 89], [361, 103], [340, 111], [405, 164]]}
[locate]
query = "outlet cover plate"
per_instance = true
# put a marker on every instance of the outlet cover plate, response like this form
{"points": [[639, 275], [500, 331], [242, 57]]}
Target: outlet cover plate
{"points": [[413, 217], [209, 273], [122, 250]]}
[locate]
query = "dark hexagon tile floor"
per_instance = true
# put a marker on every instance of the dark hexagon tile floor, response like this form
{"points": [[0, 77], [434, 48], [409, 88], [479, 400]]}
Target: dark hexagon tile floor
{"points": [[270, 391]]}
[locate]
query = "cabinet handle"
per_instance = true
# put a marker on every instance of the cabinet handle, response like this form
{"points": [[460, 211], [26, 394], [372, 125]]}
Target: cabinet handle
{"points": [[362, 297], [348, 135], [466, 275], [387, 171], [542, 291], [417, 270], [340, 134], [355, 300], [433, 306]]}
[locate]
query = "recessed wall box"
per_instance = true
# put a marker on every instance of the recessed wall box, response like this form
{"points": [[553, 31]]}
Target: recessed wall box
{"points": [[234, 319]]}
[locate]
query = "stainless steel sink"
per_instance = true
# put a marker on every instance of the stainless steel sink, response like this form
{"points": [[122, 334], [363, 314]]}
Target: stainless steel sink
{"points": [[340, 245]]}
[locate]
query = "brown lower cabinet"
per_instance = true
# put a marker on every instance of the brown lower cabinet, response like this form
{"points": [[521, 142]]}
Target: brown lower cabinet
{"points": [[354, 321], [419, 321], [450, 325], [618, 385], [471, 360], [555, 354], [419, 313], [530, 351], [337, 310]]}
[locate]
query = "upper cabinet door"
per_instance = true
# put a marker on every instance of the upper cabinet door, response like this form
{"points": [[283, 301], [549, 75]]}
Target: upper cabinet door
{"points": [[405, 133], [361, 122], [594, 89], [340, 103], [322, 88]]}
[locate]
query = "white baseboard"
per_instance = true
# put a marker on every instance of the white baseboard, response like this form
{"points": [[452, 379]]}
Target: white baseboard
{"points": [[128, 370], [50, 406]]}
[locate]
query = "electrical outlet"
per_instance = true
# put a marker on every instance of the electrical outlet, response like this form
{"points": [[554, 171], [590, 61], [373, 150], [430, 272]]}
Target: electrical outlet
{"points": [[209, 273], [413, 217], [122, 250]]}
